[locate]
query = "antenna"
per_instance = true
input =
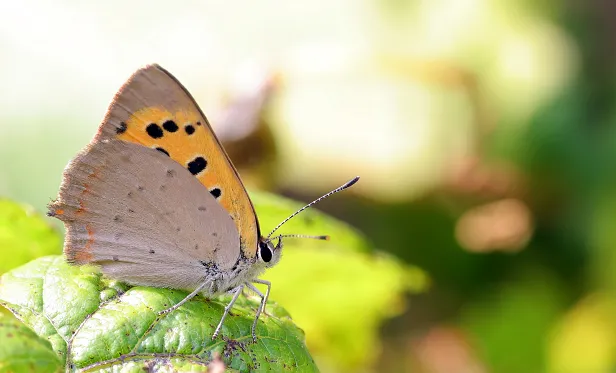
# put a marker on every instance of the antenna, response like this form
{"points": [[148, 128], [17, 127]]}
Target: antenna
{"points": [[346, 185], [323, 238]]}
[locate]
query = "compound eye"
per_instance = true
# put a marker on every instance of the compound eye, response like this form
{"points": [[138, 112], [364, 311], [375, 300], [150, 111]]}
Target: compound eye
{"points": [[265, 252]]}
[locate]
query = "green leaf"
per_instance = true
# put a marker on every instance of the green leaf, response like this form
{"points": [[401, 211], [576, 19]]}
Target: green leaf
{"points": [[21, 350], [95, 324], [338, 291], [24, 235]]}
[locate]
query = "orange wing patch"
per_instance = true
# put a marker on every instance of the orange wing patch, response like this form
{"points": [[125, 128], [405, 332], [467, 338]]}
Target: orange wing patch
{"points": [[186, 138]]}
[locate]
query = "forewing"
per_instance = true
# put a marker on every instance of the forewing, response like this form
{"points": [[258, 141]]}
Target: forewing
{"points": [[154, 110]]}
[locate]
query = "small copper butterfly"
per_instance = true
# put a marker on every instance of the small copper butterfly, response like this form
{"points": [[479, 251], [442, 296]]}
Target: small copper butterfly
{"points": [[154, 200]]}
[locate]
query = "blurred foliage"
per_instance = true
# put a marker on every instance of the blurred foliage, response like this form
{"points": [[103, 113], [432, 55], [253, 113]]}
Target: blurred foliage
{"points": [[24, 235], [584, 340], [532, 297]]}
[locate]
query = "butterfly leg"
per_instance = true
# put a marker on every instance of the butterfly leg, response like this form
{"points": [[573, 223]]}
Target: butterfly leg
{"points": [[263, 302], [236, 293], [246, 294], [186, 299]]}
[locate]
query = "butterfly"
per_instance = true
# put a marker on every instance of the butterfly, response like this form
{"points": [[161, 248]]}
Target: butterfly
{"points": [[154, 200]]}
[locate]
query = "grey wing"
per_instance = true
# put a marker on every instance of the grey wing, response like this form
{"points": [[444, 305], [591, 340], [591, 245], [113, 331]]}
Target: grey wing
{"points": [[142, 217]]}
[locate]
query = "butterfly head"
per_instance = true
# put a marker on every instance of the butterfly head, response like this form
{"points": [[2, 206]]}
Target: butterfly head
{"points": [[268, 253]]}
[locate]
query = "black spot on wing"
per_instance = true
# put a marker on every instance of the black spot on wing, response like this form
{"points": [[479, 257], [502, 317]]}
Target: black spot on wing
{"points": [[197, 165], [154, 131], [189, 129], [162, 150], [216, 192], [120, 130], [170, 126]]}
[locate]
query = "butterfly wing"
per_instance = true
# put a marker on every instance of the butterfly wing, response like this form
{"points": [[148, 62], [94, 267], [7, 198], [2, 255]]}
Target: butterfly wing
{"points": [[154, 110], [143, 217], [154, 192]]}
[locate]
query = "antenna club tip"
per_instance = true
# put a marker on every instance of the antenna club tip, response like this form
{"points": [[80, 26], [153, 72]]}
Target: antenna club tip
{"points": [[325, 238], [351, 182]]}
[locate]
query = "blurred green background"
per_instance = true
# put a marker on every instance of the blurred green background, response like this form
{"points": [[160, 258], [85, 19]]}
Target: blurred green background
{"points": [[484, 132]]}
